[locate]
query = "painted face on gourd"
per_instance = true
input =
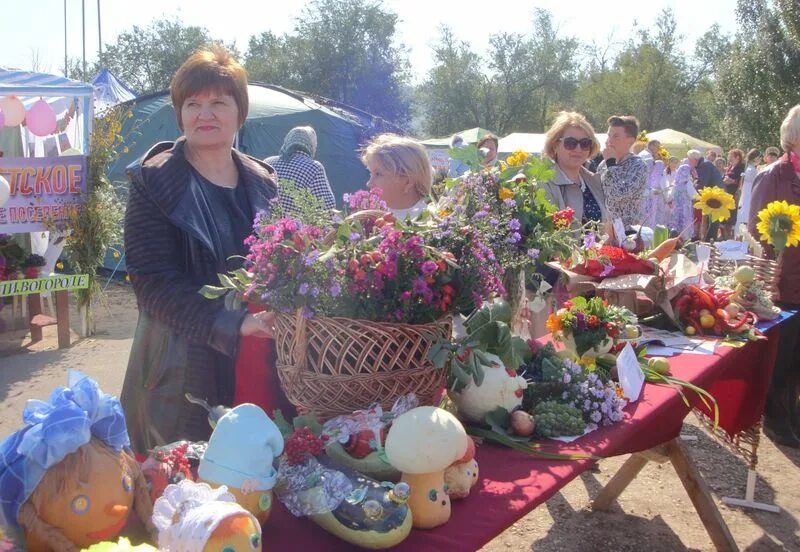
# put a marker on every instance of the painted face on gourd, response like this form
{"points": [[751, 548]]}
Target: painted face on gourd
{"points": [[237, 533], [90, 500]]}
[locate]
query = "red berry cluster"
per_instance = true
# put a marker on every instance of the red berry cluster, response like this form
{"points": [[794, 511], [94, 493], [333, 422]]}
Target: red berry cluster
{"points": [[176, 462], [301, 443]]}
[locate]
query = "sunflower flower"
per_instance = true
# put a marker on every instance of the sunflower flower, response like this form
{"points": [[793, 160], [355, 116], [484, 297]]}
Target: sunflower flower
{"points": [[779, 225], [716, 203], [553, 324]]}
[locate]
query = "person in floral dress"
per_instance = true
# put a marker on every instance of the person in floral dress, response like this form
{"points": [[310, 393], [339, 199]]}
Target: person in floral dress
{"points": [[683, 193]]}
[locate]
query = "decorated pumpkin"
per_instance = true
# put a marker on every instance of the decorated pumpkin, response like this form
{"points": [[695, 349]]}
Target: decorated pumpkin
{"points": [[501, 387], [462, 475], [240, 454], [67, 480], [193, 517], [421, 444]]}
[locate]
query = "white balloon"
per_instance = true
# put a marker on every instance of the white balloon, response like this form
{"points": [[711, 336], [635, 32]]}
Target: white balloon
{"points": [[5, 191]]}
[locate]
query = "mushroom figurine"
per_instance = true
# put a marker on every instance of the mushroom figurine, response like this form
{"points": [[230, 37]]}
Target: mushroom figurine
{"points": [[240, 453], [460, 477], [193, 517], [421, 444]]}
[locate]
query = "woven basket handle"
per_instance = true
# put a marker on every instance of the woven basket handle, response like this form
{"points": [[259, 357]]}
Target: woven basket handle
{"points": [[300, 351], [366, 214]]}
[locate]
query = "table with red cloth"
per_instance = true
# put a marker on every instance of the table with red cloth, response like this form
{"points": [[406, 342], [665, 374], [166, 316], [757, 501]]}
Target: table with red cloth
{"points": [[512, 483]]}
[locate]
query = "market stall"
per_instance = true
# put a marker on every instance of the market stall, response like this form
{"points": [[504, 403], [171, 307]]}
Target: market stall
{"points": [[45, 123]]}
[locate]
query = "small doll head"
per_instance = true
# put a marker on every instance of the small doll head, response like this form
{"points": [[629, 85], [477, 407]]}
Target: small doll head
{"points": [[193, 517]]}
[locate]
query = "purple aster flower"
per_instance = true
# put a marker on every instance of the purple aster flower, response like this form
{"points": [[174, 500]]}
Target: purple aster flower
{"points": [[514, 224], [336, 289], [428, 268], [493, 221], [355, 236], [479, 215], [303, 289], [588, 240], [607, 269], [510, 203], [533, 253], [515, 237]]}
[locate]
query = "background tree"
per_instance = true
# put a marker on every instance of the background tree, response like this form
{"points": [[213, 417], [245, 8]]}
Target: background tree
{"points": [[145, 58], [759, 80], [341, 49], [649, 79]]}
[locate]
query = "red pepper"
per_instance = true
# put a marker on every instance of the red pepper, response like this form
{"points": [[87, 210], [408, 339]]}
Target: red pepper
{"points": [[738, 326], [706, 299]]}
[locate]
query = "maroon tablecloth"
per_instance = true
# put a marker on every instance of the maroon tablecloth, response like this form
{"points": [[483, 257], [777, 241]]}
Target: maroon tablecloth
{"points": [[512, 483]]}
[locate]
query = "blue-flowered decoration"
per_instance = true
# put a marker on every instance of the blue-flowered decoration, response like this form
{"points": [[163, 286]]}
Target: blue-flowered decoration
{"points": [[53, 429]]}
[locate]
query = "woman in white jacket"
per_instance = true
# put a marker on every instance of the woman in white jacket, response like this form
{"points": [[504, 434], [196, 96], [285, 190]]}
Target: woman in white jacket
{"points": [[750, 172], [683, 193]]}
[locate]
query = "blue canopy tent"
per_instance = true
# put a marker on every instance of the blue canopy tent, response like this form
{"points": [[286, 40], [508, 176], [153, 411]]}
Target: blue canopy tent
{"points": [[109, 91]]}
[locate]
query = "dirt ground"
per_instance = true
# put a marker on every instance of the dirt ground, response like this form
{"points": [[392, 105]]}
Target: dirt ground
{"points": [[653, 514]]}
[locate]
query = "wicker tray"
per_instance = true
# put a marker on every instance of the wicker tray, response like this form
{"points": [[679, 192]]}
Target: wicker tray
{"points": [[333, 366], [767, 271]]}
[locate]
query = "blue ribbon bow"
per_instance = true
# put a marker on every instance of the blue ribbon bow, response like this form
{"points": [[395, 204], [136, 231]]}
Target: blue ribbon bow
{"points": [[53, 429]]}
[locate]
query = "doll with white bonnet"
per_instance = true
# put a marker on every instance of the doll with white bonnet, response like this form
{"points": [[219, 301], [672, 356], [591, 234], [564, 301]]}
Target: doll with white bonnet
{"points": [[193, 517]]}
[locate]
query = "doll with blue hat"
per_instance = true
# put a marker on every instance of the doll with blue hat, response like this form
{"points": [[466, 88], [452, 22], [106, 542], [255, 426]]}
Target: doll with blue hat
{"points": [[240, 455], [67, 477]]}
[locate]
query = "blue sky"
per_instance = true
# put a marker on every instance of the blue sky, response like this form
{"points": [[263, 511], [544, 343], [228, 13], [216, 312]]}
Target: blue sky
{"points": [[33, 30]]}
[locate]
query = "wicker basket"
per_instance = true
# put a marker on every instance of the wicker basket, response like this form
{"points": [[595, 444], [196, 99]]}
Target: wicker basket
{"points": [[333, 366], [767, 271]]}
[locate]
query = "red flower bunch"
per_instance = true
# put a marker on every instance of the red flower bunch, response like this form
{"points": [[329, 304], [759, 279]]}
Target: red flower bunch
{"points": [[563, 218], [303, 443]]}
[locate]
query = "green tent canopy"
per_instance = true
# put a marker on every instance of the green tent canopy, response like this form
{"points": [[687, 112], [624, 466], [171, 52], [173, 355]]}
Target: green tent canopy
{"points": [[470, 136], [341, 131]]}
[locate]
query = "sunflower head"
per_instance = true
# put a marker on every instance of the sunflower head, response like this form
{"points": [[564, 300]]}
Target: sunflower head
{"points": [[716, 203], [779, 225]]}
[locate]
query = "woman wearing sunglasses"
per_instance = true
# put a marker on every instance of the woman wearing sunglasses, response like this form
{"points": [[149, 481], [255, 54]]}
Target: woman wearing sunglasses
{"points": [[570, 142]]}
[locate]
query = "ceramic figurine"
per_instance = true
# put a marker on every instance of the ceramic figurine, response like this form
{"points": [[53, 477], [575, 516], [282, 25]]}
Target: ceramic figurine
{"points": [[193, 517], [240, 454], [462, 475], [422, 443], [67, 478]]}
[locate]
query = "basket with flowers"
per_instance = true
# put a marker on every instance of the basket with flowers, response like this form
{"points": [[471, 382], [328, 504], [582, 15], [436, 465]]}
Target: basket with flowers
{"points": [[359, 305], [591, 327], [508, 208]]}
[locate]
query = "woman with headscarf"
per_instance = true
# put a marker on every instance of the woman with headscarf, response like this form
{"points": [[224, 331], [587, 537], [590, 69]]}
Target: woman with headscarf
{"points": [[295, 163], [683, 192], [655, 202]]}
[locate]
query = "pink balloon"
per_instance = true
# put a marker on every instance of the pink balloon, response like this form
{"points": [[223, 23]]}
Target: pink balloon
{"points": [[41, 119], [13, 109]]}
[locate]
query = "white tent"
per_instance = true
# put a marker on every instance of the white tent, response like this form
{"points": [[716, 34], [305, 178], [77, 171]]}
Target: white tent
{"points": [[530, 143]]}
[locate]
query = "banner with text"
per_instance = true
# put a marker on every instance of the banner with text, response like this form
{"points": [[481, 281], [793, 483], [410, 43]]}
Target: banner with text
{"points": [[44, 191], [61, 282]]}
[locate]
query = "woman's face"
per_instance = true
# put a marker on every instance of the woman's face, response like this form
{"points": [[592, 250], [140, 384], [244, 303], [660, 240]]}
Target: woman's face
{"points": [[398, 190], [574, 147], [210, 119], [733, 158], [673, 164]]}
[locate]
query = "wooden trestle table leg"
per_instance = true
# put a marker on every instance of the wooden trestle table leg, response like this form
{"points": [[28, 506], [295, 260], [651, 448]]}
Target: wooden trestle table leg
{"points": [[692, 481]]}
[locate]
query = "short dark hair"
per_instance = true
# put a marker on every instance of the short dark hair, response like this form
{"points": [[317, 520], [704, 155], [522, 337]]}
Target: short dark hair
{"points": [[772, 150], [489, 138], [628, 122], [753, 154], [210, 69]]}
